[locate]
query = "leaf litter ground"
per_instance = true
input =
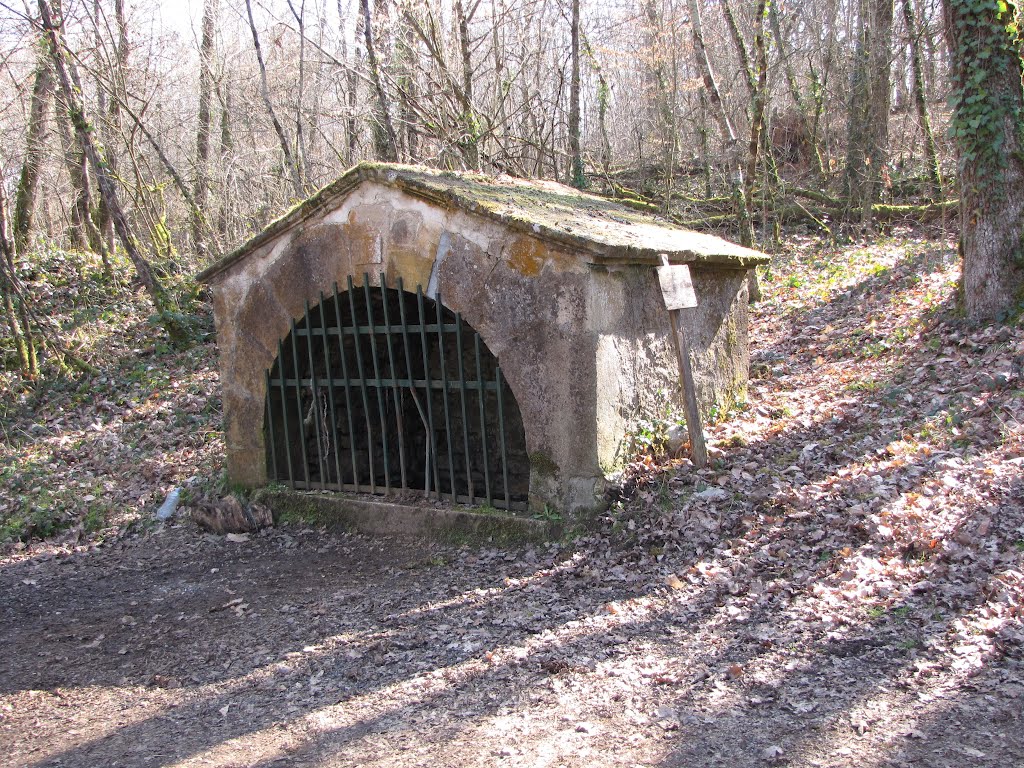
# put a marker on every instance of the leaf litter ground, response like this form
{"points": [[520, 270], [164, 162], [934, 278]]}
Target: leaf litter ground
{"points": [[842, 587]]}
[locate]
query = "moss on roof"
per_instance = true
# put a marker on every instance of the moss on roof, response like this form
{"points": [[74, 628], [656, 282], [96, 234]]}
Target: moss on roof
{"points": [[605, 229]]}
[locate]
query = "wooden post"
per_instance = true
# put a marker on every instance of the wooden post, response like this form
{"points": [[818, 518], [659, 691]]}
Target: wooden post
{"points": [[677, 290]]}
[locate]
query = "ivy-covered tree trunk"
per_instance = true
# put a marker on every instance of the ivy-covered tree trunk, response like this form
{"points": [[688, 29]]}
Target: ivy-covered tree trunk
{"points": [[576, 176], [988, 126]]}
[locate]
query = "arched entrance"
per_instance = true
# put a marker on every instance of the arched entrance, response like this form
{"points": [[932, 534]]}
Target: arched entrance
{"points": [[381, 390]]}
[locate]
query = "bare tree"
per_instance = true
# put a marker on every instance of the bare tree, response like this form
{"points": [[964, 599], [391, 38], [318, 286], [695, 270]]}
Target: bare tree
{"points": [[756, 78], [283, 140], [867, 153], [531, 87], [921, 99], [70, 86], [386, 140], [301, 159], [808, 129], [728, 132], [201, 188], [351, 82]]}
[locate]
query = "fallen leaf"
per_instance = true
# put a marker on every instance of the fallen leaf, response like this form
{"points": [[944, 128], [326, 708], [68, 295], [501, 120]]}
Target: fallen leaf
{"points": [[774, 752]]}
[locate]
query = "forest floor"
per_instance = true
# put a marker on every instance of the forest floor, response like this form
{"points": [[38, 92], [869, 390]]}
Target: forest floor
{"points": [[842, 587]]}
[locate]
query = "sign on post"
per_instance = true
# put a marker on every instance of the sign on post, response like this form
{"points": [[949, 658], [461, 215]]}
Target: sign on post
{"points": [[676, 286], [677, 290]]}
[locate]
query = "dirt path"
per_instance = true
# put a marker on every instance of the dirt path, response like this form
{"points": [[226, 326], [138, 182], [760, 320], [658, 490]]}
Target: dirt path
{"points": [[307, 648]]}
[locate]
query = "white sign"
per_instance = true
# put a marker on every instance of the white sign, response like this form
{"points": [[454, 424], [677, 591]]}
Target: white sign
{"points": [[677, 287]]}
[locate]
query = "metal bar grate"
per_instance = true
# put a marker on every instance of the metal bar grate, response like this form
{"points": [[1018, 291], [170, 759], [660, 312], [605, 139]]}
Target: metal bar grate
{"points": [[385, 391]]}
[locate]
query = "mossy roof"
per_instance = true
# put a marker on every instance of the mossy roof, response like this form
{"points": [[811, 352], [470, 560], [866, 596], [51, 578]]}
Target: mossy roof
{"points": [[606, 230]]}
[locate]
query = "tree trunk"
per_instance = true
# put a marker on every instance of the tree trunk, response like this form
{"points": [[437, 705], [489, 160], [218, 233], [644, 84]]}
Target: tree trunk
{"points": [[988, 108], [461, 119], [109, 111], [201, 189], [757, 109], [920, 98], [749, 75], [756, 79], [408, 92], [82, 230], [385, 138], [227, 145], [705, 149], [352, 84], [22, 320], [28, 181], [603, 98], [13, 295], [867, 153], [470, 120], [663, 91], [710, 84], [196, 215], [502, 90]]}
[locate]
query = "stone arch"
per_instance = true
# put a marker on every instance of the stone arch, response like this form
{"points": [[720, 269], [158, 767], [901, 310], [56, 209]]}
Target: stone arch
{"points": [[383, 390]]}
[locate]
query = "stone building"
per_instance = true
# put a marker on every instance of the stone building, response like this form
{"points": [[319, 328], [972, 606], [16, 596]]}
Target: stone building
{"points": [[484, 339]]}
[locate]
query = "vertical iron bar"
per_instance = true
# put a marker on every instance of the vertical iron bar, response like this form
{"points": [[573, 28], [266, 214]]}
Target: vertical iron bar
{"points": [[400, 287], [333, 434], [501, 437], [427, 388], [270, 430], [462, 400], [321, 460], [298, 404], [483, 420], [396, 395], [409, 373], [379, 386], [362, 385], [348, 386], [284, 412], [444, 394]]}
